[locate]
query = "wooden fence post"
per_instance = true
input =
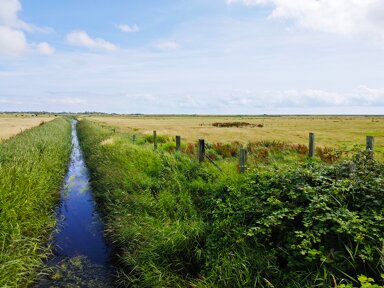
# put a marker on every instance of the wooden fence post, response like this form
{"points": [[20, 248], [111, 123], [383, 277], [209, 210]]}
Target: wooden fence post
{"points": [[178, 143], [201, 150], [370, 141], [134, 139], [154, 140], [243, 160], [311, 147]]}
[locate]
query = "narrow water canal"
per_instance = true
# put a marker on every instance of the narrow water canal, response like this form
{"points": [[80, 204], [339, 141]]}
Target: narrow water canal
{"points": [[81, 255]]}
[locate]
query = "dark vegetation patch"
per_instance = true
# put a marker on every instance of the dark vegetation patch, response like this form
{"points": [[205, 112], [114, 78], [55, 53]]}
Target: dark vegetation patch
{"points": [[235, 124]]}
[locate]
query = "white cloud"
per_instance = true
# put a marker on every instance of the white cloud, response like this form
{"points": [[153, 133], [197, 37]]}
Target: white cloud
{"points": [[168, 45], [344, 17], [45, 48], [128, 29], [8, 12], [81, 38], [12, 42], [12, 36]]}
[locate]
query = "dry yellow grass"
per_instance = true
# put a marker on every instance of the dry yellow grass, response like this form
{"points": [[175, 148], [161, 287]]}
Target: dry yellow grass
{"points": [[330, 130], [11, 125]]}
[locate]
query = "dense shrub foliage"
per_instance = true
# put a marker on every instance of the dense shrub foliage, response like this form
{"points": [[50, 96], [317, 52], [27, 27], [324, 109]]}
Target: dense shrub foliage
{"points": [[176, 223], [308, 225], [32, 166]]}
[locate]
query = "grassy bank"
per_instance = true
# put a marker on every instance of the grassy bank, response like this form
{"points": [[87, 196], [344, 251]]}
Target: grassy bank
{"points": [[32, 166], [149, 216], [288, 222]]}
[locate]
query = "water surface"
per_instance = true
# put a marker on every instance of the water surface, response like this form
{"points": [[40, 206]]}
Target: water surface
{"points": [[81, 254]]}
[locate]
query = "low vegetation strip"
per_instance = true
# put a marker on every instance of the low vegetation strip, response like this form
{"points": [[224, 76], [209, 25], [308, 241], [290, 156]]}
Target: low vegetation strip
{"points": [[32, 166], [150, 217], [176, 223], [236, 124]]}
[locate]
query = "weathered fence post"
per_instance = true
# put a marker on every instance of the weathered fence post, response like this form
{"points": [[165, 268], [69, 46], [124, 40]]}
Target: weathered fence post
{"points": [[178, 143], [134, 139], [370, 141], [201, 150], [311, 147], [154, 140], [243, 160]]}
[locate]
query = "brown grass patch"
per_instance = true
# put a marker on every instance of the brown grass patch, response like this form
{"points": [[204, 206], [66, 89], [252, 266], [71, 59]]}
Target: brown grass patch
{"points": [[10, 125]]}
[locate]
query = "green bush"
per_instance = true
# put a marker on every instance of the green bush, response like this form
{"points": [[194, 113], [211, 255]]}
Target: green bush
{"points": [[305, 226]]}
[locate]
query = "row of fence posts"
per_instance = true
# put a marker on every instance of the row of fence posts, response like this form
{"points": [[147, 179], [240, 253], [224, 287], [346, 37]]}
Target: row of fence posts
{"points": [[370, 140]]}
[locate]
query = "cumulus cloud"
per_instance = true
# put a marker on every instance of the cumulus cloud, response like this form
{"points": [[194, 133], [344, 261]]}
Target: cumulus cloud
{"points": [[168, 45], [128, 29], [45, 48], [8, 12], [81, 38], [12, 31], [344, 17], [12, 42]]}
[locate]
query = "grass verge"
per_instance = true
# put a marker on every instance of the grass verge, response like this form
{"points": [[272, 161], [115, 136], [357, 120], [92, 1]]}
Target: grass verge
{"points": [[32, 166]]}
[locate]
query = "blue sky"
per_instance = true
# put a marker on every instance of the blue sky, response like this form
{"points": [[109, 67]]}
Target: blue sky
{"points": [[196, 56]]}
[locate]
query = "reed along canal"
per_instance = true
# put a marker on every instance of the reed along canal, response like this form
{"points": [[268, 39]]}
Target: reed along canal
{"points": [[81, 254]]}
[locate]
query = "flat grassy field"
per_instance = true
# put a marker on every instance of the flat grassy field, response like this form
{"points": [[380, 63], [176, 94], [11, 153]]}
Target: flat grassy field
{"points": [[12, 124], [330, 131]]}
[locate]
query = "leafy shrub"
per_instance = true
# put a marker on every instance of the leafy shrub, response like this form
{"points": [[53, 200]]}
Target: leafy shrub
{"points": [[311, 225]]}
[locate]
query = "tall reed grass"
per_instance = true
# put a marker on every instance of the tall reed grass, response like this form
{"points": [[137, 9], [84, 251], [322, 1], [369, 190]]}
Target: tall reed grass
{"points": [[32, 166]]}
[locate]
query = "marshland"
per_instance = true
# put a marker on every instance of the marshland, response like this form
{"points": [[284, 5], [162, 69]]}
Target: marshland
{"points": [[170, 220]]}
